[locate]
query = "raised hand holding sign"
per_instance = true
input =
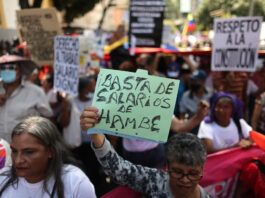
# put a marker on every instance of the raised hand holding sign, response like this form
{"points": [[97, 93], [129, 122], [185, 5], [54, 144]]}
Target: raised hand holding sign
{"points": [[134, 104]]}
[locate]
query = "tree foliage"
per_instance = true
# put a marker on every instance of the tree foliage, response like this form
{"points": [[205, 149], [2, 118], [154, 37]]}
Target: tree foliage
{"points": [[24, 4], [74, 8], [235, 7], [172, 9]]}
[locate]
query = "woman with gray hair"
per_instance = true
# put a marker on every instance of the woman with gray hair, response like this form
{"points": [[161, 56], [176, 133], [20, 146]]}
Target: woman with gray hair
{"points": [[42, 165], [185, 155]]}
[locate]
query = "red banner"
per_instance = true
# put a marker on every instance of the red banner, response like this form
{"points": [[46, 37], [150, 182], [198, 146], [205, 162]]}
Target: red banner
{"points": [[222, 169]]}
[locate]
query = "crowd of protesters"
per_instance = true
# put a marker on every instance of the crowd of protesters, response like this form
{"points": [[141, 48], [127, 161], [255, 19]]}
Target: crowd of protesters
{"points": [[214, 111]]}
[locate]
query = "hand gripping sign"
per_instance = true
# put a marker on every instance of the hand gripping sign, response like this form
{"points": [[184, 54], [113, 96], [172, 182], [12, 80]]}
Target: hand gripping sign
{"points": [[134, 105]]}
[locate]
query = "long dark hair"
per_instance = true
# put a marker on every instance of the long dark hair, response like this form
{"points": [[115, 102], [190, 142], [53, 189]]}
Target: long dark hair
{"points": [[48, 136]]}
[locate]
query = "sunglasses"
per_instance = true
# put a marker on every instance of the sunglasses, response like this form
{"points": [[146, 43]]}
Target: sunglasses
{"points": [[8, 67]]}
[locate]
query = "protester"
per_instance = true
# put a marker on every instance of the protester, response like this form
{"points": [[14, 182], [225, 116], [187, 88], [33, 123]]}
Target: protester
{"points": [[34, 77], [225, 127], [173, 69], [128, 65], [160, 64], [42, 165], [258, 117], [176, 70], [259, 76], [185, 159], [84, 153], [148, 153], [205, 65], [152, 154], [47, 85], [191, 98], [147, 62], [86, 88], [197, 92], [84, 98], [61, 110], [18, 98], [5, 47], [51, 94], [253, 91], [251, 182], [233, 82]]}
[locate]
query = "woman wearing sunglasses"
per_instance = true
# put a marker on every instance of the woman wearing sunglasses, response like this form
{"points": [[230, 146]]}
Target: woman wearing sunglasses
{"points": [[185, 156]]}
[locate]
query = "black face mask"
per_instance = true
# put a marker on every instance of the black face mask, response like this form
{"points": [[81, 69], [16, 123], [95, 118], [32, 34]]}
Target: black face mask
{"points": [[195, 86]]}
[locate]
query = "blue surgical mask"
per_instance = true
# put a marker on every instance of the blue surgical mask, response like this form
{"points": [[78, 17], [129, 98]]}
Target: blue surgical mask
{"points": [[8, 76]]}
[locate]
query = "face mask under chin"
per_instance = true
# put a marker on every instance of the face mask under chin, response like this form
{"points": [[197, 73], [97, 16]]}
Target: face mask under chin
{"points": [[8, 76]]}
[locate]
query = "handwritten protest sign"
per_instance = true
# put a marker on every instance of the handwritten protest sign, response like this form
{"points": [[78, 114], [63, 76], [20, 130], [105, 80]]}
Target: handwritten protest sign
{"points": [[134, 104], [235, 45], [146, 22], [38, 27], [66, 64]]}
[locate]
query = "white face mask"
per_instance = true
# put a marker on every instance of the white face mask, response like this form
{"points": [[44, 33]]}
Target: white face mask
{"points": [[90, 95]]}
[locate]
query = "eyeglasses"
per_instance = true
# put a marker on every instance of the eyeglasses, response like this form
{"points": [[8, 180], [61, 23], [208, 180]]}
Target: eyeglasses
{"points": [[8, 67], [179, 175]]}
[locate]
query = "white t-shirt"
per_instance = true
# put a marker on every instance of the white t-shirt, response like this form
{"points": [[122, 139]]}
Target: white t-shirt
{"points": [[223, 137], [134, 145], [76, 185]]}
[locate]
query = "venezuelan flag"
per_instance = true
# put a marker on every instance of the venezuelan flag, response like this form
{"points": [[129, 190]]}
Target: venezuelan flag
{"points": [[189, 25]]}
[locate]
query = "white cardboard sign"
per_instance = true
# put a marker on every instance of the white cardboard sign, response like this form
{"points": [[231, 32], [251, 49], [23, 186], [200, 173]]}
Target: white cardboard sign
{"points": [[235, 44], [66, 64]]}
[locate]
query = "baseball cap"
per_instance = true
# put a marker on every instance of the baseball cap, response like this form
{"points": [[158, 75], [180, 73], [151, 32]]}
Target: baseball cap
{"points": [[198, 75]]}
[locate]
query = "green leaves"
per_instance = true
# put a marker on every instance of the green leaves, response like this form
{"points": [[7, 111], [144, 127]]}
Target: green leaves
{"points": [[74, 8], [236, 8]]}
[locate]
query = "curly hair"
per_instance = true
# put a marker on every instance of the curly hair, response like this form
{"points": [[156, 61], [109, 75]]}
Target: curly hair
{"points": [[186, 148]]}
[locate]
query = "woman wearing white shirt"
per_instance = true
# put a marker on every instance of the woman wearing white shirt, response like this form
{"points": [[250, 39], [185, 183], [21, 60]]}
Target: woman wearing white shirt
{"points": [[42, 165], [225, 127]]}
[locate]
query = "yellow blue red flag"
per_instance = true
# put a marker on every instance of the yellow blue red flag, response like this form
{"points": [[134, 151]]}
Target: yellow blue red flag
{"points": [[189, 25]]}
